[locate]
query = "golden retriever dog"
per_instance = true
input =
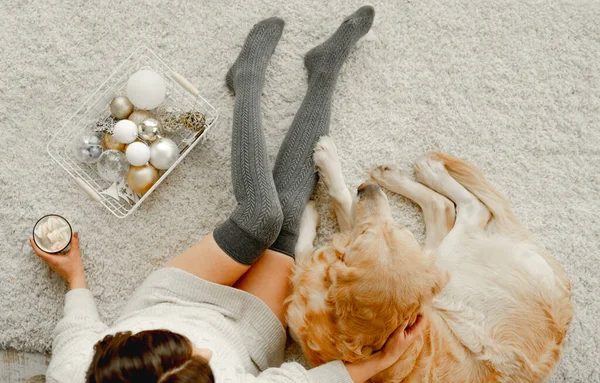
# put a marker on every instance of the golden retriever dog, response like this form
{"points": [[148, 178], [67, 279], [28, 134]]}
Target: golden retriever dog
{"points": [[494, 305]]}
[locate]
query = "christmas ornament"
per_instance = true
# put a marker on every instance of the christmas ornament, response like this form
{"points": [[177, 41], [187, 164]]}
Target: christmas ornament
{"points": [[163, 153], [137, 153], [169, 117], [141, 178], [112, 191], [87, 149], [121, 107], [125, 131], [112, 165], [106, 125], [139, 115], [195, 121], [149, 130], [110, 142], [125, 192], [52, 234], [146, 89]]}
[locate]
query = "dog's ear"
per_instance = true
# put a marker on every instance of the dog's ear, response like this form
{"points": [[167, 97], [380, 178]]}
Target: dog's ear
{"points": [[343, 283]]}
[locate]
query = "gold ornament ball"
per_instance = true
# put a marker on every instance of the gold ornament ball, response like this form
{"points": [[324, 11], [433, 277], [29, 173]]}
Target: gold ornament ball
{"points": [[139, 115], [110, 142], [121, 107], [141, 178]]}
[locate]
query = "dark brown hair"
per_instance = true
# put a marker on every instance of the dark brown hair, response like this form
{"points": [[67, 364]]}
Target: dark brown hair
{"points": [[157, 356]]}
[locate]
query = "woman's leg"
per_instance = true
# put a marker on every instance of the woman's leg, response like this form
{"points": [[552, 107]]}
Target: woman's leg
{"points": [[294, 172], [269, 280], [226, 254]]}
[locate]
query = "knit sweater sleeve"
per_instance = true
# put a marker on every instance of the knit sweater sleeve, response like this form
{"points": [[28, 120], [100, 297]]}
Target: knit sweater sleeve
{"points": [[332, 372], [74, 338]]}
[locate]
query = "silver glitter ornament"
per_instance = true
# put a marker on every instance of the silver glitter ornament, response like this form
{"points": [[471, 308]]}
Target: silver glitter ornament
{"points": [[169, 117], [149, 130], [163, 153], [112, 166], [86, 148], [106, 125], [121, 107]]}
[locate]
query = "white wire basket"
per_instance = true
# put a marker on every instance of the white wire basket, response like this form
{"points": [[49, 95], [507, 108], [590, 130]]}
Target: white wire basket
{"points": [[95, 110]]}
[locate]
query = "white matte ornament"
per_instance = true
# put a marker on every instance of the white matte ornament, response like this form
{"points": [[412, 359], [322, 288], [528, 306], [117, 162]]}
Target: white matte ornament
{"points": [[125, 131], [146, 89], [163, 153], [138, 153]]}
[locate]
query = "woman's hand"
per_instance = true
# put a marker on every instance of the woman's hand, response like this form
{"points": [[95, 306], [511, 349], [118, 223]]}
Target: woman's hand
{"points": [[68, 266], [398, 342], [395, 346]]}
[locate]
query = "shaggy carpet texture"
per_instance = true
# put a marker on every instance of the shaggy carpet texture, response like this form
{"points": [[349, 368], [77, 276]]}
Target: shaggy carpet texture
{"points": [[513, 86]]}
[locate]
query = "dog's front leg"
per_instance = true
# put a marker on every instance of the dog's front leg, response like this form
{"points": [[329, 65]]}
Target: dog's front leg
{"points": [[308, 232], [328, 163]]}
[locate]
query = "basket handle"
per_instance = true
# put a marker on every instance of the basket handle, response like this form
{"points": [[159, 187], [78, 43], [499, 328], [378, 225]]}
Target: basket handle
{"points": [[185, 83], [87, 188]]}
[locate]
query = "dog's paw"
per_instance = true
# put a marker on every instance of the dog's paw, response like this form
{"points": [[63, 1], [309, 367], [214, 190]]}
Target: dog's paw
{"points": [[388, 176], [325, 153], [431, 171], [329, 167]]}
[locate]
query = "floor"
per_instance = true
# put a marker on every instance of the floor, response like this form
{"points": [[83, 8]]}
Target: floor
{"points": [[22, 367], [513, 86]]}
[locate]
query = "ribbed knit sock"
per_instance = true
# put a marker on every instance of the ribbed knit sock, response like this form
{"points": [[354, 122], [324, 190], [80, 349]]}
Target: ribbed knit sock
{"points": [[294, 171], [257, 219]]}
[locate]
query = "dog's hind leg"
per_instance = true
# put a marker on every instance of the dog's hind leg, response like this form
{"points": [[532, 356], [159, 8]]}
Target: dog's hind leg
{"points": [[330, 170], [470, 212], [469, 176], [308, 232], [438, 211], [503, 220]]}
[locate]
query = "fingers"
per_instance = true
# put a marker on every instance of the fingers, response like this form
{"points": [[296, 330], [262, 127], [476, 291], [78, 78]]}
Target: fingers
{"points": [[398, 335], [39, 252], [403, 332], [415, 328], [75, 240], [403, 326]]}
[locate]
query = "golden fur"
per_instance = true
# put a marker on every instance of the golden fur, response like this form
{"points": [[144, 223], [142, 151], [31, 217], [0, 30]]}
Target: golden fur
{"points": [[496, 306]]}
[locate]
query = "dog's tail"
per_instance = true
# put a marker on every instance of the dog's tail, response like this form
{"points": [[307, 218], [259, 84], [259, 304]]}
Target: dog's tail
{"points": [[469, 176]]}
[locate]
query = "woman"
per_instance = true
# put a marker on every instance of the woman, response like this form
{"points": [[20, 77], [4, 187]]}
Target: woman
{"points": [[216, 312]]}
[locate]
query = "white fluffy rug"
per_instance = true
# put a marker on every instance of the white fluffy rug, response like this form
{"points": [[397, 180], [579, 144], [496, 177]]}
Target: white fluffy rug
{"points": [[513, 86]]}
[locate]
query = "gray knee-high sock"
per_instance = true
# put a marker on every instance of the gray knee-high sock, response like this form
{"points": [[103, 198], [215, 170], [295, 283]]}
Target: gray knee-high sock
{"points": [[256, 221], [294, 171]]}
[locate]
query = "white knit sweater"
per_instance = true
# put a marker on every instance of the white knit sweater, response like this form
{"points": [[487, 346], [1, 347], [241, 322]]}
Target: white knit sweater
{"points": [[246, 338]]}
